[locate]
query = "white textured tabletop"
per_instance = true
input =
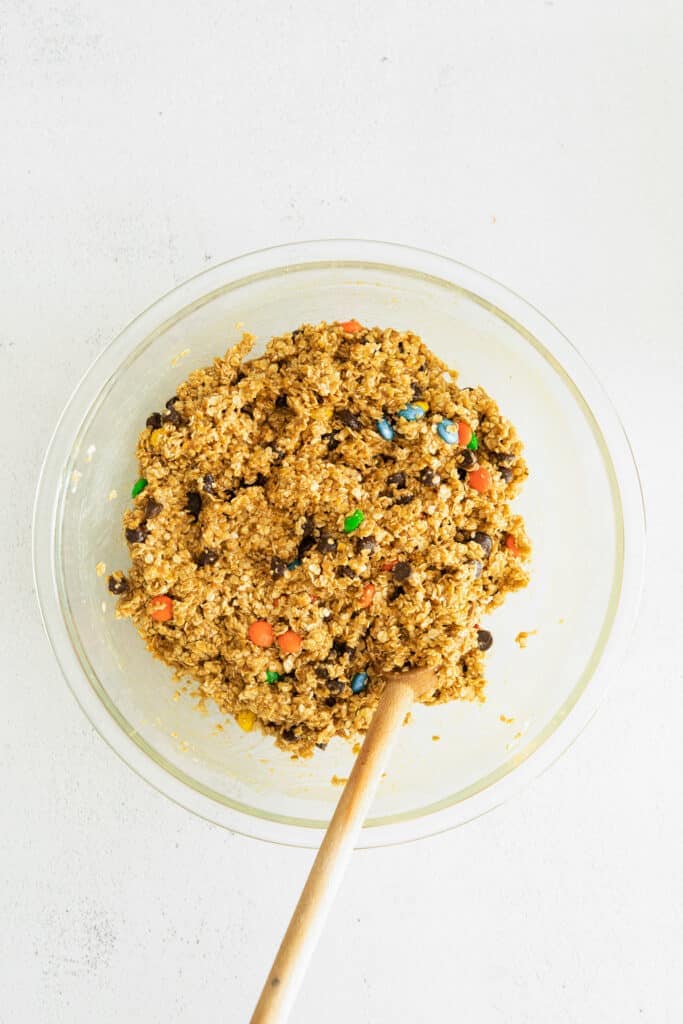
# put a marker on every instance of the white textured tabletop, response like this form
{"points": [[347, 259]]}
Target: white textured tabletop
{"points": [[536, 141]]}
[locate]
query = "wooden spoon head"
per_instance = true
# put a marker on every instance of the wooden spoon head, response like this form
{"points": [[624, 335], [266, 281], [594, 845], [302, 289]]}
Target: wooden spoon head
{"points": [[420, 680]]}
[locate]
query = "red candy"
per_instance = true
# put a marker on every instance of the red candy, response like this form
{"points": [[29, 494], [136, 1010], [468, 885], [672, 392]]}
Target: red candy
{"points": [[511, 545], [464, 433], [479, 479], [289, 642], [161, 608], [261, 633], [351, 326]]}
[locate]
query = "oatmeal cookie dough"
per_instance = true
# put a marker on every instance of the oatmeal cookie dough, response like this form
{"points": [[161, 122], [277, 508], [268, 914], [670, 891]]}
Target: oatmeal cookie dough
{"points": [[309, 519]]}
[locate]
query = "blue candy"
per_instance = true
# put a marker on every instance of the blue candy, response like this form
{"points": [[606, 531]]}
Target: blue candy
{"points": [[295, 564], [412, 412], [385, 430], [447, 431], [358, 682]]}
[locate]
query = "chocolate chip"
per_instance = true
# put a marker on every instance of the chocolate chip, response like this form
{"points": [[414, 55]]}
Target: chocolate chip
{"points": [[397, 480], [484, 541], [319, 398], [207, 557], [248, 410], [341, 648], [405, 499], [208, 483], [345, 570], [281, 402], [173, 417], [307, 538], [321, 746], [309, 526], [395, 594], [327, 544], [504, 458], [333, 441], [278, 567], [429, 478], [462, 474], [194, 504], [349, 419], [305, 544], [334, 686], [506, 474], [288, 735], [402, 571], [365, 544], [152, 508], [154, 421], [484, 639], [468, 459], [118, 585], [418, 393], [258, 481], [330, 702], [297, 333], [321, 672], [137, 535]]}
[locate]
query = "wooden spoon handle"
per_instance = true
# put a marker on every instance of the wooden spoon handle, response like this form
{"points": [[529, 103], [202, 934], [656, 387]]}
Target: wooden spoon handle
{"points": [[289, 966]]}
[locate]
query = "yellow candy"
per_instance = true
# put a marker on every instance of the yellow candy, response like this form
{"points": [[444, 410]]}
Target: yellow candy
{"points": [[156, 437], [245, 720], [422, 405]]}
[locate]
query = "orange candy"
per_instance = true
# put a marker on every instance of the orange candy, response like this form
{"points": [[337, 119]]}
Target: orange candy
{"points": [[367, 595], [161, 608], [511, 545], [351, 326], [464, 433], [289, 642], [388, 566], [261, 633], [479, 479]]}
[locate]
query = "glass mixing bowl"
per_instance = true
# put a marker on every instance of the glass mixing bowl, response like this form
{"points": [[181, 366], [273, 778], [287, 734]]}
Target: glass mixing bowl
{"points": [[582, 504]]}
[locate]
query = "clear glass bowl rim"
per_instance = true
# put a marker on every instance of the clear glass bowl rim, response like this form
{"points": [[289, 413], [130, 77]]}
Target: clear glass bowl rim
{"points": [[579, 707]]}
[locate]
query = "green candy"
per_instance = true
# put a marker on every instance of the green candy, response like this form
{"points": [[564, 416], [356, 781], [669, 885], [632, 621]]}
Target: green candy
{"points": [[353, 521], [138, 487], [474, 443], [272, 677]]}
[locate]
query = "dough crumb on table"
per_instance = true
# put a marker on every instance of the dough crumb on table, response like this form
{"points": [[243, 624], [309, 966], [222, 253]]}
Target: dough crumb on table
{"points": [[312, 518], [522, 638]]}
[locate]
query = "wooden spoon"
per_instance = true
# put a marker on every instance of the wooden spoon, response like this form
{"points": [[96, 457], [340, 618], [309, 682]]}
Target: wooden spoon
{"points": [[286, 974]]}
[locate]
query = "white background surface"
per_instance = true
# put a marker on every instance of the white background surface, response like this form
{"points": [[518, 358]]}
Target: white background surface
{"points": [[537, 141]]}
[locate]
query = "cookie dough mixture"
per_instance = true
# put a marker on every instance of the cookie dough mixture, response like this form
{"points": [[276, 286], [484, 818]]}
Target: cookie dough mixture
{"points": [[309, 519]]}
